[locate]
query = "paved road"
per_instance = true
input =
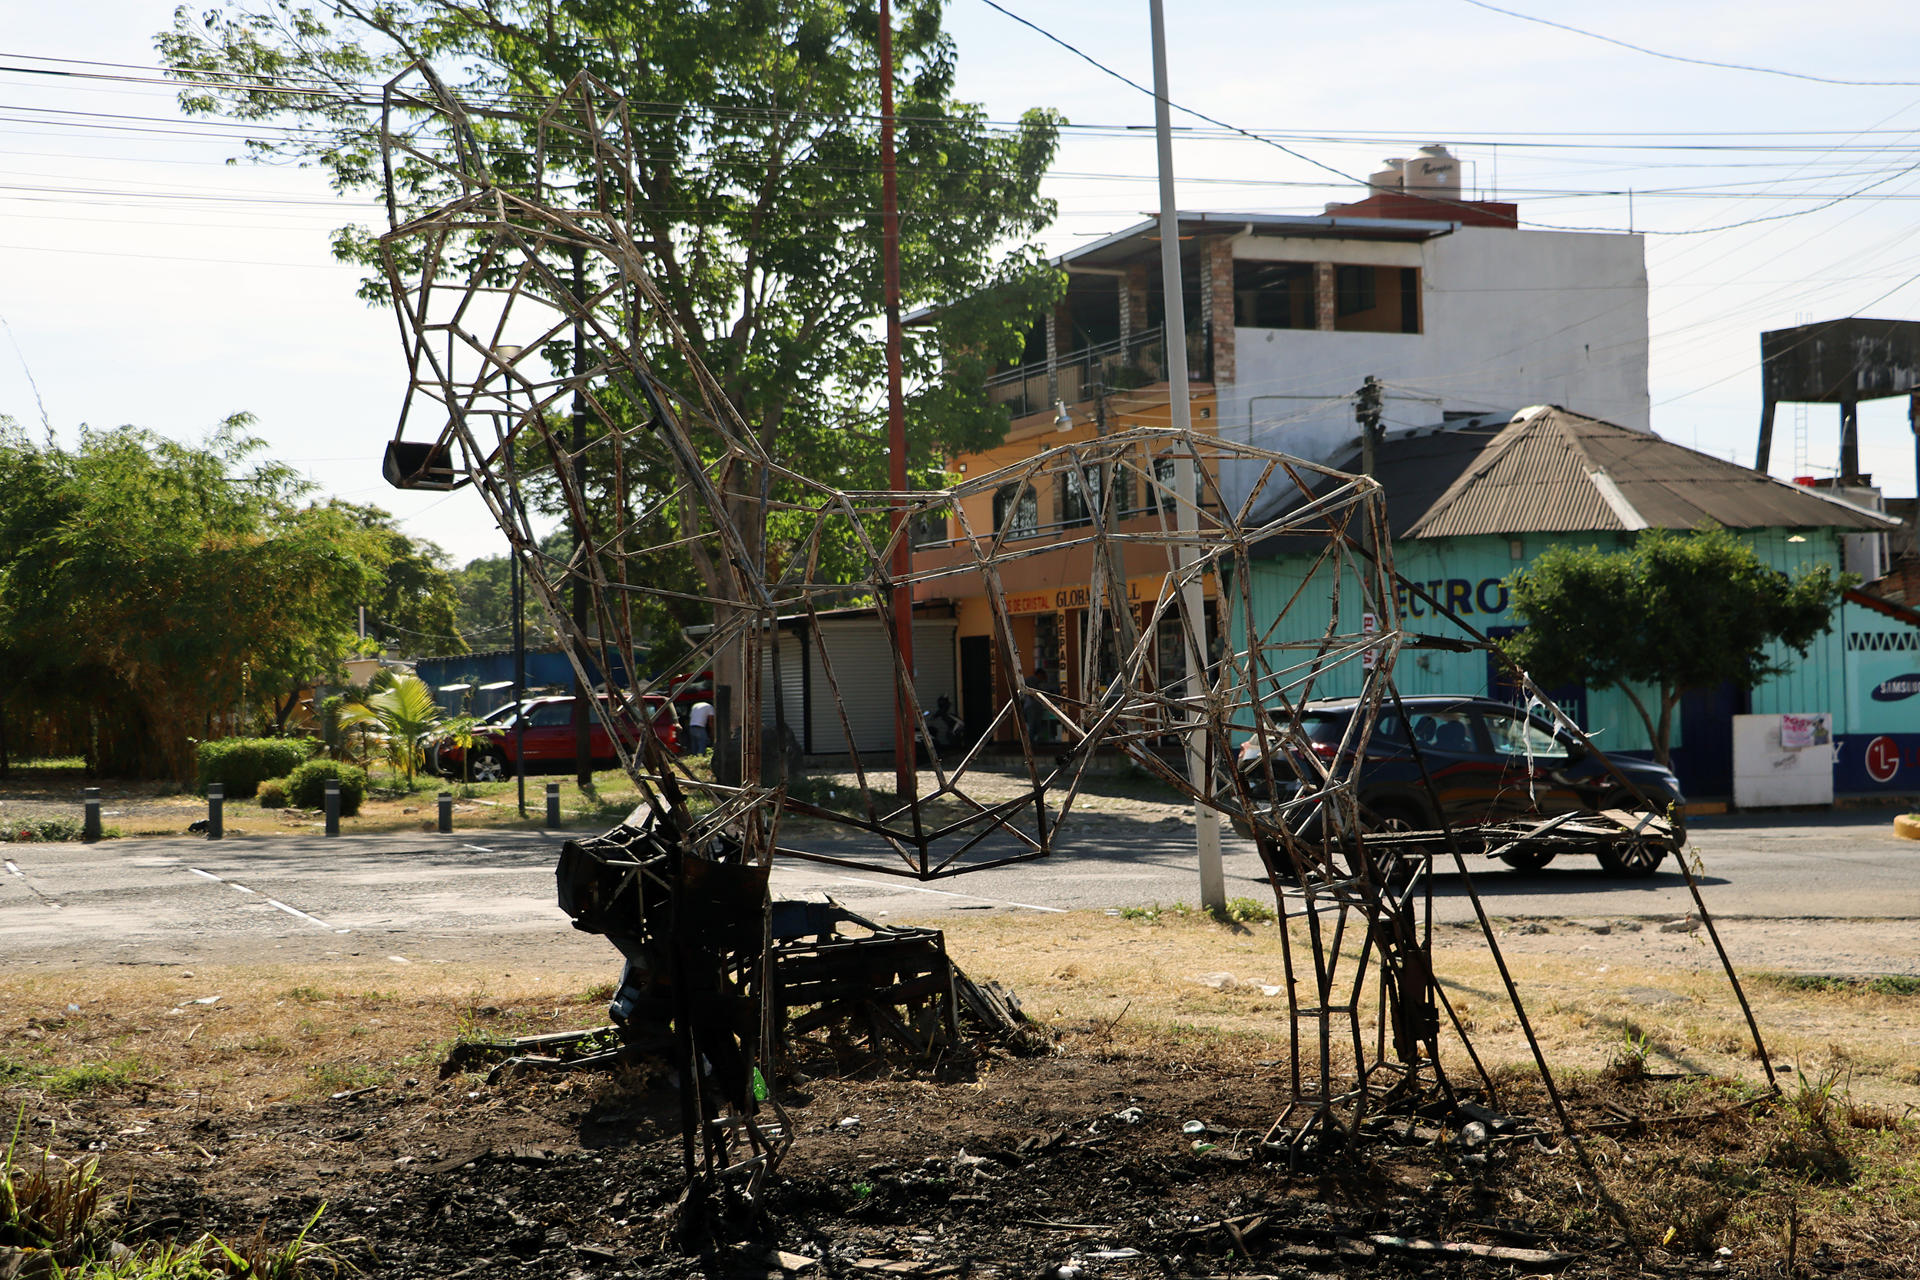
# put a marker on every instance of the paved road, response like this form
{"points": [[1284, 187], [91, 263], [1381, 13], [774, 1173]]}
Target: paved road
{"points": [[490, 893]]}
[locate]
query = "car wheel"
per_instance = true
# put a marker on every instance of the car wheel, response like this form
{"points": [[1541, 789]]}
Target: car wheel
{"points": [[1527, 859], [1391, 817], [490, 766], [1634, 859]]}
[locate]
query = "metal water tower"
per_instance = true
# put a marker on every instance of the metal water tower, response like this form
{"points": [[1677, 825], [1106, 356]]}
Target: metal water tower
{"points": [[1840, 362]]}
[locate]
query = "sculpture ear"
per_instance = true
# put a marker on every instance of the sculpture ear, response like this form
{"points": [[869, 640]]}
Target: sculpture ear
{"points": [[412, 464]]}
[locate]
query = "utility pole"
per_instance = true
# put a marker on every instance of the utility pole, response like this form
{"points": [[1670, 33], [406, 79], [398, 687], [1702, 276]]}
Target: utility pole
{"points": [[1206, 823], [582, 735], [1366, 411], [905, 778]]}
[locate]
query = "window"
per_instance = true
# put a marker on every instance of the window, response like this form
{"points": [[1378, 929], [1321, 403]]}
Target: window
{"points": [[1376, 299], [1448, 731], [1273, 295], [1164, 472], [1016, 511], [929, 528], [1077, 495], [1526, 738], [551, 716], [1353, 290]]}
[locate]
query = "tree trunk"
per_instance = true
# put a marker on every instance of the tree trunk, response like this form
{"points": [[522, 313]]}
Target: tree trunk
{"points": [[1669, 699]]}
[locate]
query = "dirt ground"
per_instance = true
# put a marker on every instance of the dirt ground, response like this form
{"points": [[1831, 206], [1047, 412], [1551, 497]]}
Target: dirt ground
{"points": [[291, 1093]]}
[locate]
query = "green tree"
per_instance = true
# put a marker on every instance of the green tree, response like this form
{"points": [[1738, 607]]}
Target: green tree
{"points": [[154, 592], [416, 610], [758, 184], [1676, 612]]}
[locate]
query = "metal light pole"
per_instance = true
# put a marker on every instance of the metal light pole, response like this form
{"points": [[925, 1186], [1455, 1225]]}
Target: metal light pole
{"points": [[1206, 823]]}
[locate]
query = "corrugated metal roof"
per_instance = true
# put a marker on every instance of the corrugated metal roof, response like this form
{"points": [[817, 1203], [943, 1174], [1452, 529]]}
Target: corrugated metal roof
{"points": [[1553, 471]]}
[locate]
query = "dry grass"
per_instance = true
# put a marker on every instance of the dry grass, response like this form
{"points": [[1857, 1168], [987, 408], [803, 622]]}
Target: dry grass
{"points": [[275, 1032], [1146, 979]]}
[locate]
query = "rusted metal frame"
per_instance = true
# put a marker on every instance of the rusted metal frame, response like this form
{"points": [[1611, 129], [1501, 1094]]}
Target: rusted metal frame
{"points": [[1257, 695], [1486, 929], [469, 166], [1693, 885], [907, 696], [1000, 824], [846, 725], [1003, 628], [808, 855]]}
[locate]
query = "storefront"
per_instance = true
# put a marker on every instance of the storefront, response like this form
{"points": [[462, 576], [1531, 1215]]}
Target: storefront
{"points": [[1469, 508], [1050, 637]]}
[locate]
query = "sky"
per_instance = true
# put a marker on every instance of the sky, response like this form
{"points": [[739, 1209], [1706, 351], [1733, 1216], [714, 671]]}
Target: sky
{"points": [[147, 279]]}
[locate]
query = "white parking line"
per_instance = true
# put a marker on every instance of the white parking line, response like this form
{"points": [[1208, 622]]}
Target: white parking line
{"points": [[974, 897], [272, 902], [295, 911], [16, 870]]}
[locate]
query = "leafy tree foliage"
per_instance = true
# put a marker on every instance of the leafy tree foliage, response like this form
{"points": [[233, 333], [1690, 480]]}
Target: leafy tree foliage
{"points": [[153, 592], [483, 590], [1676, 612], [759, 187], [415, 611]]}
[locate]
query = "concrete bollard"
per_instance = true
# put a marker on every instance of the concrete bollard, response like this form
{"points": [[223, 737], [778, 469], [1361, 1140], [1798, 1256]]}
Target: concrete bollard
{"points": [[446, 812], [332, 793], [90, 796], [216, 806], [553, 805]]}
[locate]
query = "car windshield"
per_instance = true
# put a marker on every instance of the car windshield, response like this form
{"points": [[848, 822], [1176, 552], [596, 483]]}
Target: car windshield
{"points": [[1519, 736]]}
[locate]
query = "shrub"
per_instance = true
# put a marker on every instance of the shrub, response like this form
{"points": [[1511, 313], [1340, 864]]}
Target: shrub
{"points": [[307, 785], [272, 794], [31, 829], [242, 764]]}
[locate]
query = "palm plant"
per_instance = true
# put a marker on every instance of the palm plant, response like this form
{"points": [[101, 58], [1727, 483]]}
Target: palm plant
{"points": [[402, 715]]}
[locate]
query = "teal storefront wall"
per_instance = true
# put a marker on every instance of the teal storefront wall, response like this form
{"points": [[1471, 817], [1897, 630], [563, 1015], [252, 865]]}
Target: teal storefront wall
{"points": [[1865, 652]]}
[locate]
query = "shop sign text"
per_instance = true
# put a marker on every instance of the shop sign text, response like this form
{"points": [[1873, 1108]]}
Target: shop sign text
{"points": [[1462, 595]]}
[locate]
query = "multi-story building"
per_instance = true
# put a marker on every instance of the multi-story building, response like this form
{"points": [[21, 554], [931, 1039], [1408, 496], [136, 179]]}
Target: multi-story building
{"points": [[1453, 306]]}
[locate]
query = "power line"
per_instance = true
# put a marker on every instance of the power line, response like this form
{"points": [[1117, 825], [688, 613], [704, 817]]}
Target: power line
{"points": [[1698, 62]]}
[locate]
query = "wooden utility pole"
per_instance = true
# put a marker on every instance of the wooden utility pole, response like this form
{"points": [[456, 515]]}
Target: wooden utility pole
{"points": [[903, 728]]}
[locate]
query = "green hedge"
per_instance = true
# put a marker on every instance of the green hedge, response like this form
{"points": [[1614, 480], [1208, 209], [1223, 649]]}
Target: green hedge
{"points": [[307, 785], [242, 764]]}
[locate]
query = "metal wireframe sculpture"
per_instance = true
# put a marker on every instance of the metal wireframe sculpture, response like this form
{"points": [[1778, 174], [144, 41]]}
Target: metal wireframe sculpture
{"points": [[516, 296]]}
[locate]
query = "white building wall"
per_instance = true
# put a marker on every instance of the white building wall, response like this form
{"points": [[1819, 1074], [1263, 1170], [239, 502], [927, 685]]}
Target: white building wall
{"points": [[1509, 318]]}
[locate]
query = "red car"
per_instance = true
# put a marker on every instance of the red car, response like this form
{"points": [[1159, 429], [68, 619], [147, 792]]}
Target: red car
{"points": [[546, 729]]}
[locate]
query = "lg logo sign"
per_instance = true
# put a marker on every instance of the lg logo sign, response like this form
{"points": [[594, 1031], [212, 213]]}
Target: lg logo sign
{"points": [[1883, 759]]}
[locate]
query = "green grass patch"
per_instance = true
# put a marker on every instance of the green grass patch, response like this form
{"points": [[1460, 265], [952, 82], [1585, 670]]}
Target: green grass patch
{"points": [[1236, 911], [68, 1082]]}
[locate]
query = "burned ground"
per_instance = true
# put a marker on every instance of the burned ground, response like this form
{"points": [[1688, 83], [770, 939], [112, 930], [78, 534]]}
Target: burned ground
{"points": [[1010, 1167]]}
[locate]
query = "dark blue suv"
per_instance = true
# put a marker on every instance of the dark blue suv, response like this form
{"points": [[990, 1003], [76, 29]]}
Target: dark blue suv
{"points": [[1490, 762]]}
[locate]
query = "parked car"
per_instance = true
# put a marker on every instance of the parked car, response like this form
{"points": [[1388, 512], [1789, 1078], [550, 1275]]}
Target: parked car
{"points": [[548, 739], [1490, 762]]}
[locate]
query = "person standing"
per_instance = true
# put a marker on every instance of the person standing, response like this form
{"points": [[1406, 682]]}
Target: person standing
{"points": [[700, 726]]}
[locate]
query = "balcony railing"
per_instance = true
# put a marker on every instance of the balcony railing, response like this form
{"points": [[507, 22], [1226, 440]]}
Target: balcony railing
{"points": [[1135, 361]]}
